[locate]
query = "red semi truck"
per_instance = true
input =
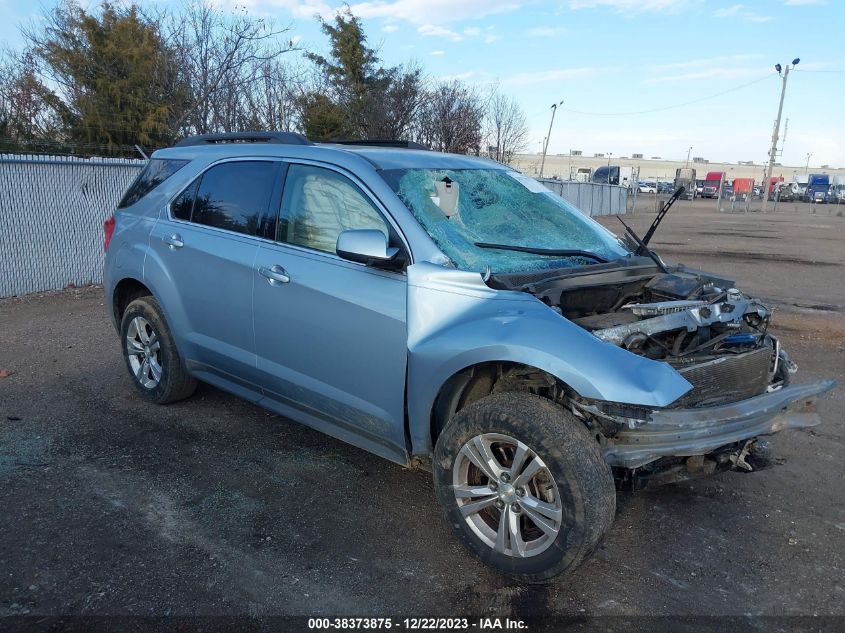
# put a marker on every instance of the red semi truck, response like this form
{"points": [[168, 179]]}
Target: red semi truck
{"points": [[713, 184]]}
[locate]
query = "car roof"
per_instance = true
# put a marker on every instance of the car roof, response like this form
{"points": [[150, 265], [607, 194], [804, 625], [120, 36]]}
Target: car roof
{"points": [[379, 157]]}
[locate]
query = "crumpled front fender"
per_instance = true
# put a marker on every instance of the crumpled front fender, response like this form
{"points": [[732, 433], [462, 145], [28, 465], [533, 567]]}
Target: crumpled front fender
{"points": [[455, 321]]}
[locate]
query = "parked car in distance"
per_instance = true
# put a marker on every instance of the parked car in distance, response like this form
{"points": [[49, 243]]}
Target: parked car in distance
{"points": [[647, 187], [447, 313]]}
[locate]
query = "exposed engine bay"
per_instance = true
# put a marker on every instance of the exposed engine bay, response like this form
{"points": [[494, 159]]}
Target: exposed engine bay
{"points": [[711, 333]]}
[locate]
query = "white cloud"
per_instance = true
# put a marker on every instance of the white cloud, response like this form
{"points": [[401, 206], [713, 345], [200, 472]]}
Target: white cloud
{"points": [[633, 6], [427, 11], [804, 3], [432, 30], [545, 31], [458, 77], [706, 62], [305, 9], [544, 76], [389, 28], [438, 53], [708, 73], [742, 12], [471, 32]]}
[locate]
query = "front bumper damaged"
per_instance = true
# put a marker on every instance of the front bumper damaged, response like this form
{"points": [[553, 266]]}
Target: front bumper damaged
{"points": [[688, 432]]}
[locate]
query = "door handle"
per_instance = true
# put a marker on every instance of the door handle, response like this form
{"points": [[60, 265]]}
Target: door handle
{"points": [[174, 241], [275, 275]]}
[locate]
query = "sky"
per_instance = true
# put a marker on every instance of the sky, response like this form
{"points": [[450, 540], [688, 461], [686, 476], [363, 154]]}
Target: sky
{"points": [[654, 77]]}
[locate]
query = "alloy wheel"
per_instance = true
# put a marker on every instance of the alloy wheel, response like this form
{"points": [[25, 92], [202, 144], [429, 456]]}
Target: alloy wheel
{"points": [[144, 352], [507, 495]]}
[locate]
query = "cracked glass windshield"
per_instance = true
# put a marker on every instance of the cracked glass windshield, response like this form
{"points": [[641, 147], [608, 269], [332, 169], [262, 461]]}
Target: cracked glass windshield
{"points": [[463, 208]]}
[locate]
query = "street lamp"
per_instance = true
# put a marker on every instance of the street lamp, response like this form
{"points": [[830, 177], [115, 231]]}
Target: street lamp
{"points": [[546, 145], [689, 151], [807, 167], [774, 149]]}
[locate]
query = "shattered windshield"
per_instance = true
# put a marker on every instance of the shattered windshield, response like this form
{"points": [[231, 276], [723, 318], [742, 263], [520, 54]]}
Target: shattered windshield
{"points": [[464, 208]]}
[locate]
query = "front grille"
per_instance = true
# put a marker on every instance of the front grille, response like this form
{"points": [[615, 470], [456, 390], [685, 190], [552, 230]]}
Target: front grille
{"points": [[728, 378]]}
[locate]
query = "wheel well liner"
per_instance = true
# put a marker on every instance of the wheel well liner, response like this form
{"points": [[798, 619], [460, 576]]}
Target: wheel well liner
{"points": [[125, 292], [477, 381]]}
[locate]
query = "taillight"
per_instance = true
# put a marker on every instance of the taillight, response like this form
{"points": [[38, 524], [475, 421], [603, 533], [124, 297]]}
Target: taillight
{"points": [[108, 229]]}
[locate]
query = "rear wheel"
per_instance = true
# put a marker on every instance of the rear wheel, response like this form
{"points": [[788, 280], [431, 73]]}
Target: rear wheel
{"points": [[524, 485], [150, 353]]}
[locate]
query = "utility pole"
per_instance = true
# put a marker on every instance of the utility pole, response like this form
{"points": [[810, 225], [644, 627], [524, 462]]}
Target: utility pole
{"points": [[774, 149], [807, 167], [546, 144], [689, 151]]}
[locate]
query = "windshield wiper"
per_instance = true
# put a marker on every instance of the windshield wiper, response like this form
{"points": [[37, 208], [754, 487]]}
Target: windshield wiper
{"points": [[641, 246], [547, 252]]}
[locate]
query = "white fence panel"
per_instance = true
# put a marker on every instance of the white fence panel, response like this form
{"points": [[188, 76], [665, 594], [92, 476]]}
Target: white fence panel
{"points": [[52, 210], [591, 198]]}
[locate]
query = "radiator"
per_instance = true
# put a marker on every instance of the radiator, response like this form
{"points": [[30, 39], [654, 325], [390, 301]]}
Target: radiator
{"points": [[728, 378]]}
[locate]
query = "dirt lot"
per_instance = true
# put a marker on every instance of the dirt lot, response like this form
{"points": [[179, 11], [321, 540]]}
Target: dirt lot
{"points": [[213, 506]]}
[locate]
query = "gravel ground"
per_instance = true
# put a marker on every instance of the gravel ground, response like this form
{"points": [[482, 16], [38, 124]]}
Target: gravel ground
{"points": [[214, 506]]}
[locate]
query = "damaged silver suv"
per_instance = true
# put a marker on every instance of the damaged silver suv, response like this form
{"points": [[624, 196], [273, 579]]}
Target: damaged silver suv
{"points": [[443, 312]]}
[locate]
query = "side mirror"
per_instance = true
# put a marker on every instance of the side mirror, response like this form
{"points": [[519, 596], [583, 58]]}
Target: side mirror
{"points": [[368, 246]]}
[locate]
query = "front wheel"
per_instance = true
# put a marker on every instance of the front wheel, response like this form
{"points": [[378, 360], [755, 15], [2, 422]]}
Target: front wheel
{"points": [[524, 485]]}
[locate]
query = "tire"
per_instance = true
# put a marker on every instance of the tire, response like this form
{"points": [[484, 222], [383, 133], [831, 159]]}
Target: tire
{"points": [[583, 490], [154, 363]]}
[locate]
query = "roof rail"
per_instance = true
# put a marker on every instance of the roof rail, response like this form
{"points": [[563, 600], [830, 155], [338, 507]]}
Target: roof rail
{"points": [[285, 138], [385, 143]]}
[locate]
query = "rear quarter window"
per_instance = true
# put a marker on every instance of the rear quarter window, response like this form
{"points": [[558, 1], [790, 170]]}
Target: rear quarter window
{"points": [[156, 172]]}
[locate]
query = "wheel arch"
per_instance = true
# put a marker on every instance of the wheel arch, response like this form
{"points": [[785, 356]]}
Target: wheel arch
{"points": [[125, 292], [481, 379]]}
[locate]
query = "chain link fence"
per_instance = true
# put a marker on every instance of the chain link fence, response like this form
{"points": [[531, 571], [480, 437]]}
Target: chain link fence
{"points": [[52, 210]]}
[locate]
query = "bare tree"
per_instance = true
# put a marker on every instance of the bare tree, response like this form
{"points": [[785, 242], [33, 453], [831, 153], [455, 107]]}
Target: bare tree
{"points": [[506, 130], [226, 59], [25, 114], [451, 118], [272, 101]]}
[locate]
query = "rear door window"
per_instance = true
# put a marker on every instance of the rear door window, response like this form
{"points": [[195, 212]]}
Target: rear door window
{"points": [[234, 196], [156, 172]]}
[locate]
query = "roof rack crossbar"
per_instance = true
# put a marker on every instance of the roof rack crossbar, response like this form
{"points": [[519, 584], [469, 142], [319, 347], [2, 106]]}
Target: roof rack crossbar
{"points": [[283, 138], [382, 143]]}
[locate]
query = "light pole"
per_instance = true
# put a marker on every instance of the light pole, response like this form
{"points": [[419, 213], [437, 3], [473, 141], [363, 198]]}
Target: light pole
{"points": [[689, 151], [774, 149], [546, 145], [807, 167]]}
